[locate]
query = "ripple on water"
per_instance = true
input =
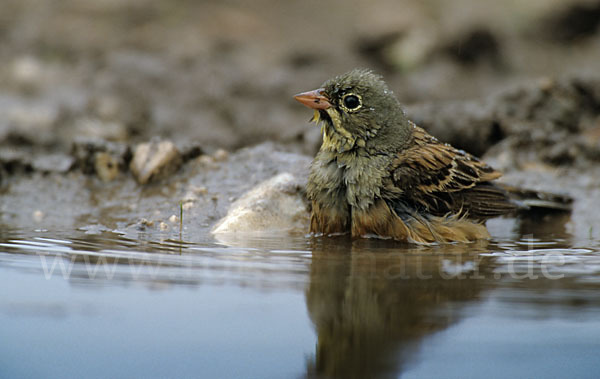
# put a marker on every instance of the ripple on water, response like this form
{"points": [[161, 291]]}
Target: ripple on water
{"points": [[340, 290], [552, 262], [116, 259]]}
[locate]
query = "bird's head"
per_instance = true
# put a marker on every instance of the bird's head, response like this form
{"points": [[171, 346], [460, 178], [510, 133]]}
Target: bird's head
{"points": [[357, 110]]}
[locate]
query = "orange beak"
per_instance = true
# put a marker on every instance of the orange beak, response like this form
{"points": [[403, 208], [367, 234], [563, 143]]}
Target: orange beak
{"points": [[314, 99]]}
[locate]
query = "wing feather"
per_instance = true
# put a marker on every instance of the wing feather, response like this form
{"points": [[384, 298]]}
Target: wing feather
{"points": [[441, 179]]}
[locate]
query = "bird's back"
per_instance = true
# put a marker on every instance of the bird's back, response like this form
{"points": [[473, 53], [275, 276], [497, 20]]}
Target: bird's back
{"points": [[435, 178]]}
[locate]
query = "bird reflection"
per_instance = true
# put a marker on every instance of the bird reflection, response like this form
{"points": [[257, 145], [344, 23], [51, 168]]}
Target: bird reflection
{"points": [[371, 303], [544, 225]]}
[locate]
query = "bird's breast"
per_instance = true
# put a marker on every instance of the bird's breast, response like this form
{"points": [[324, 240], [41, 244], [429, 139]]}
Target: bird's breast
{"points": [[363, 185], [350, 177]]}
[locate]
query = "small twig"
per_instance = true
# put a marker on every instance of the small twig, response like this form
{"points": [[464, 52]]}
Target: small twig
{"points": [[180, 218]]}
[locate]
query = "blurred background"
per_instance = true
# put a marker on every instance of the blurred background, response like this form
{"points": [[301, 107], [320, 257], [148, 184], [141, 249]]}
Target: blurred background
{"points": [[222, 73]]}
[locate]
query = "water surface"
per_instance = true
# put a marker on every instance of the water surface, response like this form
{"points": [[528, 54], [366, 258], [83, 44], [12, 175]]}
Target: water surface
{"points": [[102, 305]]}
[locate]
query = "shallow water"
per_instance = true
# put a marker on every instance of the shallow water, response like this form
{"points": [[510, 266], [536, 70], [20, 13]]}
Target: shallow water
{"points": [[102, 305]]}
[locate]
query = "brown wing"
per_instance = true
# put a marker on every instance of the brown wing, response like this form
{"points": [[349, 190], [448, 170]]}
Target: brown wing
{"points": [[439, 179]]}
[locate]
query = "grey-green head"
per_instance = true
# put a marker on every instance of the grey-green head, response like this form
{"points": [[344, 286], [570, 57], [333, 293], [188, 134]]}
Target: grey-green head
{"points": [[357, 110]]}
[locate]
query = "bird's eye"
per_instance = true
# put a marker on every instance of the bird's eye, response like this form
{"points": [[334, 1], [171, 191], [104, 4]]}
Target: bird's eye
{"points": [[351, 102]]}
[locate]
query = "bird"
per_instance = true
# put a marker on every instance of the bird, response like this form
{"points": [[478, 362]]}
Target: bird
{"points": [[377, 174]]}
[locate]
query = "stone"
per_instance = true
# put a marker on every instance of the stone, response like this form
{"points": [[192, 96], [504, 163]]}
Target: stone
{"points": [[57, 162], [274, 206], [154, 160], [106, 166]]}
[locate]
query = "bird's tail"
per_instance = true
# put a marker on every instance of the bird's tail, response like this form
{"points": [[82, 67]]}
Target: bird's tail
{"points": [[538, 201]]}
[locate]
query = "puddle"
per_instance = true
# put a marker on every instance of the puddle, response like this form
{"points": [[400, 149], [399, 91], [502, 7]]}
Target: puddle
{"points": [[104, 305]]}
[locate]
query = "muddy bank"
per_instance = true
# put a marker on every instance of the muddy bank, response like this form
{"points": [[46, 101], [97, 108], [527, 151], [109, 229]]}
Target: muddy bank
{"points": [[553, 121], [544, 136], [202, 190]]}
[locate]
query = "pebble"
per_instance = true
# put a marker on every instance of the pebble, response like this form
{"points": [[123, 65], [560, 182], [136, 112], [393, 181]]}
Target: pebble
{"points": [[106, 166], [220, 155], [207, 161], [275, 205], [155, 160], [58, 162], [146, 222], [38, 216], [188, 205]]}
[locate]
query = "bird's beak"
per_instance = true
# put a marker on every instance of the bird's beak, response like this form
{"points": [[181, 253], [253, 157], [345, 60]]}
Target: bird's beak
{"points": [[314, 99]]}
